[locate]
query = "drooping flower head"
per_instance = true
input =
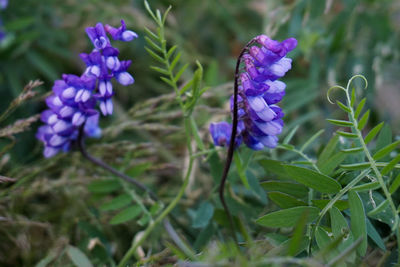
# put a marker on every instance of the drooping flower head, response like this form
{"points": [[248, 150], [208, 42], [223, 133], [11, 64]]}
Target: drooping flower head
{"points": [[76, 100], [264, 61]]}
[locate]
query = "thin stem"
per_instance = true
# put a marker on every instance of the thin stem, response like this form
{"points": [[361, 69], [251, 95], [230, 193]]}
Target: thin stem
{"points": [[168, 227], [85, 153], [151, 226], [340, 194], [232, 141]]}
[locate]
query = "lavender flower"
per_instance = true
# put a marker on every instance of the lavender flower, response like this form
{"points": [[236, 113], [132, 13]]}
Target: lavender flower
{"points": [[258, 91], [75, 98], [3, 4]]}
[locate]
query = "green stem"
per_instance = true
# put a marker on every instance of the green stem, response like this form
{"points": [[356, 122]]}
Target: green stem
{"points": [[340, 194], [372, 162], [158, 220], [135, 198]]}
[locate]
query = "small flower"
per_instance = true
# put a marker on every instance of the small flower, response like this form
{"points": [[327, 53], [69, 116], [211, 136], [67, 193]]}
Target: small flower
{"points": [[122, 76], [121, 33], [221, 133], [258, 90], [98, 36]]}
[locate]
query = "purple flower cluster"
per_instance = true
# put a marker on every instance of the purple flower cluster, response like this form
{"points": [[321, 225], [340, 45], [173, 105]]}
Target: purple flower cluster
{"points": [[75, 99], [3, 5], [259, 119]]}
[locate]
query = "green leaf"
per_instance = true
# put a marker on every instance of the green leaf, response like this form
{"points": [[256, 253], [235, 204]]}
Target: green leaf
{"points": [[20, 23], [287, 147], [78, 257], [384, 137], [340, 123], [391, 165], [117, 203], [126, 215], [359, 108], [186, 87], [367, 187], [338, 223], [353, 97], [171, 51], [295, 242], [290, 135], [328, 150], [167, 81], [322, 237], [371, 135], [343, 106], [374, 235], [153, 44], [285, 201], [352, 150], [386, 150], [395, 184], [293, 189], [46, 260], [144, 220], [204, 236], [179, 73], [240, 169], [151, 34], [104, 186], [138, 169], [381, 207], [147, 6], [256, 187], [288, 217], [43, 65], [160, 70], [175, 61], [363, 120], [154, 55], [358, 221], [347, 134], [356, 166], [339, 204], [330, 165], [275, 167], [313, 179], [312, 138], [203, 215], [166, 14]]}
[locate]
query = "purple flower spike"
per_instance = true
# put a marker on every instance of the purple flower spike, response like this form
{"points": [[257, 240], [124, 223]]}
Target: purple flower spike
{"points": [[75, 100], [264, 62], [3, 4], [121, 33]]}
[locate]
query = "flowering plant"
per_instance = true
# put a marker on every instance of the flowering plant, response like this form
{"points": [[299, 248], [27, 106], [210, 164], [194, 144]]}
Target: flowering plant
{"points": [[76, 99]]}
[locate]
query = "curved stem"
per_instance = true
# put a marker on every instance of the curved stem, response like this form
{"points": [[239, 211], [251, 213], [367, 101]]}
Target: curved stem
{"points": [[151, 226], [232, 141], [167, 225], [126, 178]]}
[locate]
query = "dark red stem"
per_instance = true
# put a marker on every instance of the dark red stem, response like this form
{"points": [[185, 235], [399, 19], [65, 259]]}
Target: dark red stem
{"points": [[232, 141]]}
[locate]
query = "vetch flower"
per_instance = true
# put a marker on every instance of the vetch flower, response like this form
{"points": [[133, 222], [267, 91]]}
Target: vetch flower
{"points": [[76, 100], [259, 90], [121, 33]]}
